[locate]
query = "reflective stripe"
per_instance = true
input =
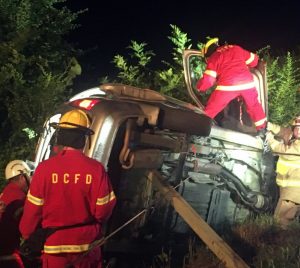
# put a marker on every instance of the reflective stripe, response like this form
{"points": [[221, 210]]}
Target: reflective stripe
{"points": [[211, 73], [252, 57], [236, 87], [106, 199], [283, 166], [287, 170], [35, 200], [65, 248], [288, 183], [260, 122]]}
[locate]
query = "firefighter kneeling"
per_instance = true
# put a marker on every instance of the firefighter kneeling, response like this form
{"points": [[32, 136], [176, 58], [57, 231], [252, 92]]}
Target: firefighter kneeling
{"points": [[288, 171]]}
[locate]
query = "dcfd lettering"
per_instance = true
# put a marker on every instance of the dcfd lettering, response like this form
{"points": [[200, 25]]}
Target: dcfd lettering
{"points": [[66, 178]]}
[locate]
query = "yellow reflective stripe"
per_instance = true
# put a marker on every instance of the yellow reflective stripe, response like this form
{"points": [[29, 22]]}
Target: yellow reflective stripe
{"points": [[65, 248], [250, 59], [236, 87], [211, 73], [295, 164], [35, 200], [260, 122], [288, 183], [283, 166], [106, 199]]}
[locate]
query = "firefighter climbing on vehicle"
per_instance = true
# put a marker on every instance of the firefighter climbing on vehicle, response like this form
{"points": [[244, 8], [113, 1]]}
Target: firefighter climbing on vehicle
{"points": [[12, 198], [228, 68], [288, 171], [69, 189]]}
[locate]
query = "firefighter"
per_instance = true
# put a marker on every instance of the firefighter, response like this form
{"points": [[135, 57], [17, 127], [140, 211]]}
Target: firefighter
{"points": [[288, 172], [228, 69], [12, 198], [69, 189]]}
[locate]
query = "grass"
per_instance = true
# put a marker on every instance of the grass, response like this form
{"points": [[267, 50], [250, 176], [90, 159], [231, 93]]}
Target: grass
{"points": [[260, 242]]}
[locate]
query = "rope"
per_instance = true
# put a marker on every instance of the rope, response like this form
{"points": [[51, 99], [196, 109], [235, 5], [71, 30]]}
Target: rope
{"points": [[100, 242]]}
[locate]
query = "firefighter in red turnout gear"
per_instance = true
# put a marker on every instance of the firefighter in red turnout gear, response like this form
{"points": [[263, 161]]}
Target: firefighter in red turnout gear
{"points": [[228, 68], [69, 188], [12, 199]]}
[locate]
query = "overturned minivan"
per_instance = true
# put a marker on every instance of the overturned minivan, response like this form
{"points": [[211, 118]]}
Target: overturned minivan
{"points": [[218, 166]]}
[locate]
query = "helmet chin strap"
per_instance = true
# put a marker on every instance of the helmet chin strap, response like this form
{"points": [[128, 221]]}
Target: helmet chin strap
{"points": [[89, 141]]}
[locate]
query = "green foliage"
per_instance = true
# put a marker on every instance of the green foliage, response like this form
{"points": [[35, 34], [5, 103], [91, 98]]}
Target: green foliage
{"points": [[37, 69], [169, 80], [181, 42], [273, 246], [259, 241], [138, 71], [282, 75], [283, 85]]}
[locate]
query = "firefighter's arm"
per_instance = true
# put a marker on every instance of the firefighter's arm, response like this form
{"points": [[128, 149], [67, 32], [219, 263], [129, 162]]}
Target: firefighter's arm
{"points": [[106, 200], [31, 218], [284, 133], [273, 128], [32, 214], [251, 59], [207, 81], [281, 147], [276, 146]]}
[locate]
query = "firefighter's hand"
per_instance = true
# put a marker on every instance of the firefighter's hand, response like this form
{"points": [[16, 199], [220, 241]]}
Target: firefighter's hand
{"points": [[286, 133], [269, 136], [273, 128]]}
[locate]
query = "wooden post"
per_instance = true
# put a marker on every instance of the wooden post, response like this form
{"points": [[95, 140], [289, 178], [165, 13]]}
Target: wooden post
{"points": [[215, 243]]}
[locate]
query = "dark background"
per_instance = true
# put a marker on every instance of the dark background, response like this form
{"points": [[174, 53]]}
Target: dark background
{"points": [[108, 26]]}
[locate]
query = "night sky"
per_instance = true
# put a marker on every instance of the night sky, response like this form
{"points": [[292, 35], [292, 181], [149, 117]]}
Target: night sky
{"points": [[109, 27]]}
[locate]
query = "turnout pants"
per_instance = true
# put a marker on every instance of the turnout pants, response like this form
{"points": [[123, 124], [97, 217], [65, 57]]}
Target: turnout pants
{"points": [[286, 212], [74, 260], [219, 99]]}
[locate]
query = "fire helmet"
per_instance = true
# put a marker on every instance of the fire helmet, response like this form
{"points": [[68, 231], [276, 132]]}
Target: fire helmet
{"points": [[76, 120], [15, 168], [209, 43]]}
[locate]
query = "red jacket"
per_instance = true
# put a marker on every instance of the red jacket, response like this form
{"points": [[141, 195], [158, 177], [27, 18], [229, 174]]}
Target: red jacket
{"points": [[13, 197], [228, 67], [69, 188]]}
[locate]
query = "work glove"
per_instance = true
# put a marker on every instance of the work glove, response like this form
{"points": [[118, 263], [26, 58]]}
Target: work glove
{"points": [[269, 136], [286, 134], [273, 128]]}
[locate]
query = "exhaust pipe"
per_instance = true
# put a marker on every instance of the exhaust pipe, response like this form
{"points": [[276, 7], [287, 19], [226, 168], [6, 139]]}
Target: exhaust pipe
{"points": [[256, 200]]}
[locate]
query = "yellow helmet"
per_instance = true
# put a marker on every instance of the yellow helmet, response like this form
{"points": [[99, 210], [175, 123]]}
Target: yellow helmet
{"points": [[209, 43], [74, 119]]}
